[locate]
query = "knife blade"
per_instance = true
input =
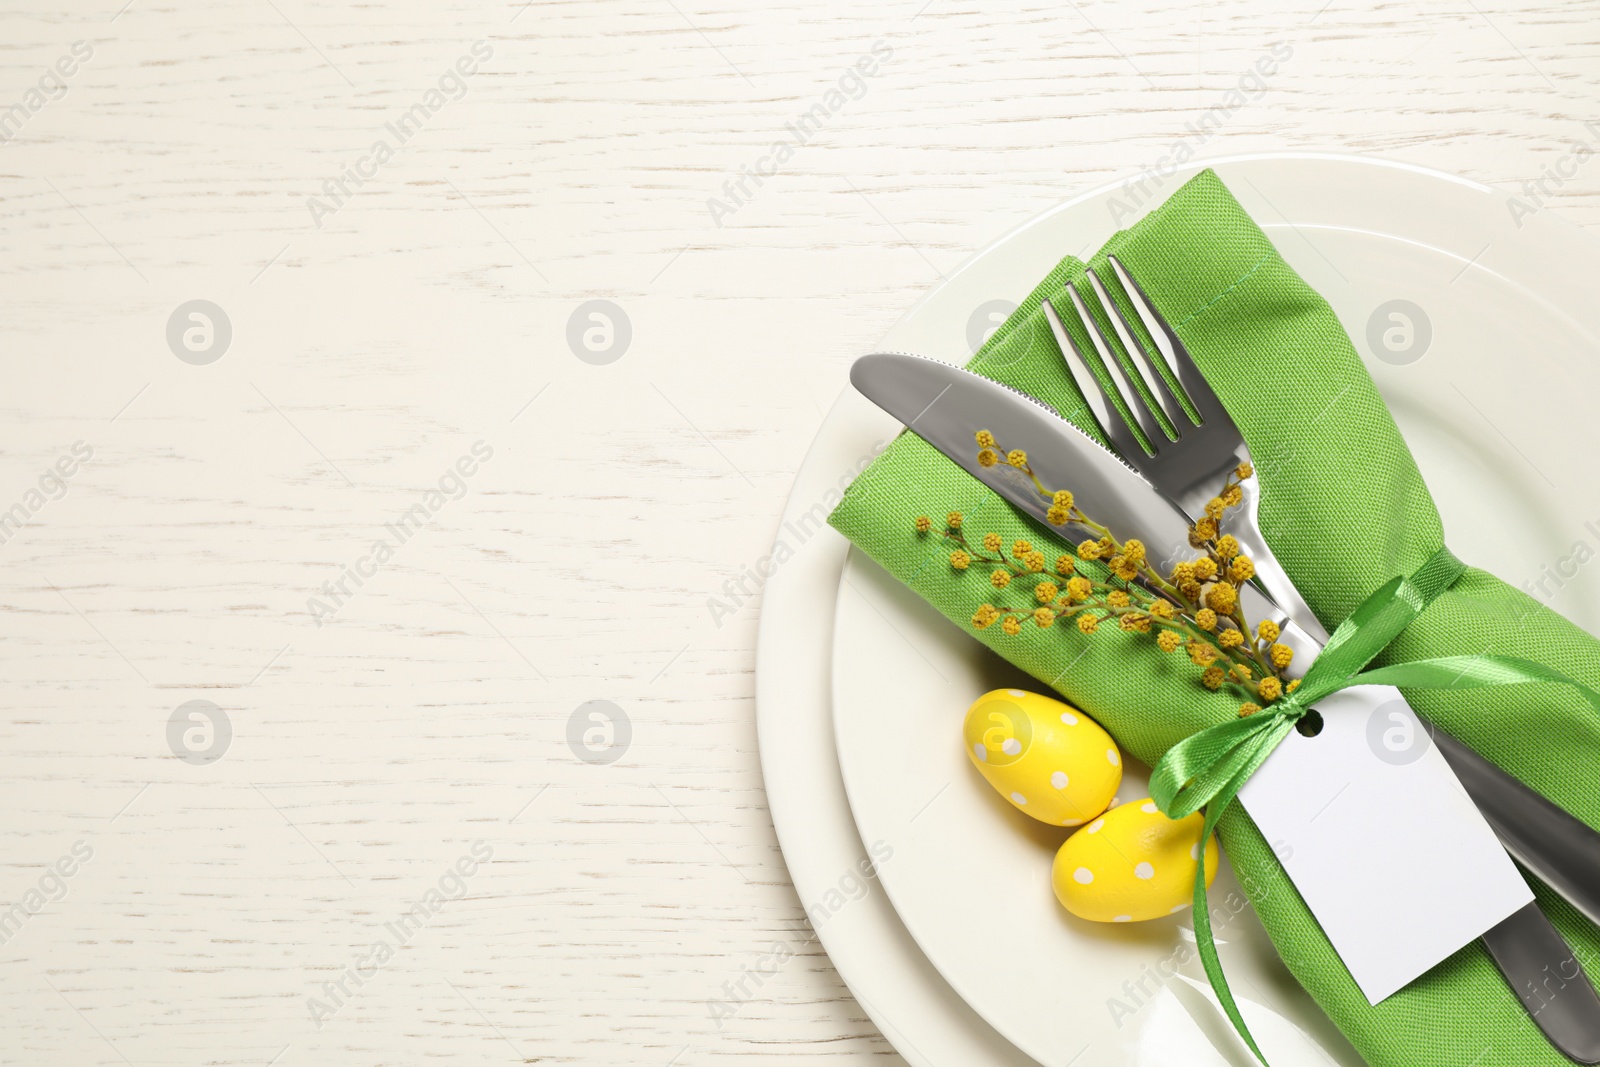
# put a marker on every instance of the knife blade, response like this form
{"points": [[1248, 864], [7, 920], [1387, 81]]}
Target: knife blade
{"points": [[946, 406]]}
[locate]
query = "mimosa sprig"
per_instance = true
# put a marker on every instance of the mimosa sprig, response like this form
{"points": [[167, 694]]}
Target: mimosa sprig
{"points": [[1193, 608]]}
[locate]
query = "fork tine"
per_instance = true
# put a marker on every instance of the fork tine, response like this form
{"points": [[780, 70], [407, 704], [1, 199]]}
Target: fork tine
{"points": [[1112, 425], [1142, 414], [1172, 349], [1105, 415], [1156, 383]]}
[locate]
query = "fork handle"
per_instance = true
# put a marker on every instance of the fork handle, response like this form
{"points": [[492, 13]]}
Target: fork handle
{"points": [[1270, 575]]}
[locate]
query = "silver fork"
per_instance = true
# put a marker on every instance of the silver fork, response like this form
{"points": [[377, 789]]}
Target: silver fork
{"points": [[1186, 466], [1186, 469]]}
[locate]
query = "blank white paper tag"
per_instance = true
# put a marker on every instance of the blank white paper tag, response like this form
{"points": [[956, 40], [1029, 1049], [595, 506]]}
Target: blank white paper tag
{"points": [[1382, 842]]}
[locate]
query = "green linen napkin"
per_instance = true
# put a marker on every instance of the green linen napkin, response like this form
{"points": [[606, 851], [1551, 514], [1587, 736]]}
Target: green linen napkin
{"points": [[1345, 510]]}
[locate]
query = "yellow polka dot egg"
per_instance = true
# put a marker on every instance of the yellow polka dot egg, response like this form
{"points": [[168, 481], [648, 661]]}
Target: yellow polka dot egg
{"points": [[1132, 863], [1050, 760]]}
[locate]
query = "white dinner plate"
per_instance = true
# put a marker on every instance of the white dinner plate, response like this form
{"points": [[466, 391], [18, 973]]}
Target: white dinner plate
{"points": [[1492, 375]]}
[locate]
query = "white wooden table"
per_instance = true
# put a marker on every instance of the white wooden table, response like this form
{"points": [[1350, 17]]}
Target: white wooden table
{"points": [[313, 888]]}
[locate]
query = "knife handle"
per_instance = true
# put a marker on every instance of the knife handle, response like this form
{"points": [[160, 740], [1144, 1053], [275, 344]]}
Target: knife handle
{"points": [[1563, 851], [1546, 976]]}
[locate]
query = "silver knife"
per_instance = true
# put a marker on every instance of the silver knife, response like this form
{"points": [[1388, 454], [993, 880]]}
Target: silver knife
{"points": [[946, 406]]}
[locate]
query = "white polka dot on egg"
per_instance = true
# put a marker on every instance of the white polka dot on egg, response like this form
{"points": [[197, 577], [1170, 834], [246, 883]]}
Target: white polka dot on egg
{"points": [[1144, 871], [982, 753], [1111, 754], [1177, 908], [1069, 718], [1059, 779], [1011, 746], [1123, 919], [1094, 827], [1194, 851], [1083, 876], [1148, 807], [1071, 822], [1018, 798], [1016, 693]]}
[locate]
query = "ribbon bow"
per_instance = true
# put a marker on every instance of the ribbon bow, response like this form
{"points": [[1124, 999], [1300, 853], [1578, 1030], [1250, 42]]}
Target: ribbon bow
{"points": [[1207, 769]]}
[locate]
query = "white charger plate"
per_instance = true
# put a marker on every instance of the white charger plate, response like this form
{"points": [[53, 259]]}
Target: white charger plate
{"points": [[1503, 379]]}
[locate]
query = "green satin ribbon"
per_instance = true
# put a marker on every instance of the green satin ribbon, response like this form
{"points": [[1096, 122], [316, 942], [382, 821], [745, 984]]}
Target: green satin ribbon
{"points": [[1207, 769]]}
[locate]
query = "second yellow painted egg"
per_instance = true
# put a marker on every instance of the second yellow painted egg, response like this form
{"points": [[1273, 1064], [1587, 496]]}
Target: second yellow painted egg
{"points": [[1131, 864], [1049, 759]]}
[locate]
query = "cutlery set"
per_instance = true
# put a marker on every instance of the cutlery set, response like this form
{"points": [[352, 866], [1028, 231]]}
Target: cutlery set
{"points": [[1171, 442]]}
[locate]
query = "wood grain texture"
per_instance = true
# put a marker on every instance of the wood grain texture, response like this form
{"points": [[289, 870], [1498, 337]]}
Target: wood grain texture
{"points": [[373, 345]]}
